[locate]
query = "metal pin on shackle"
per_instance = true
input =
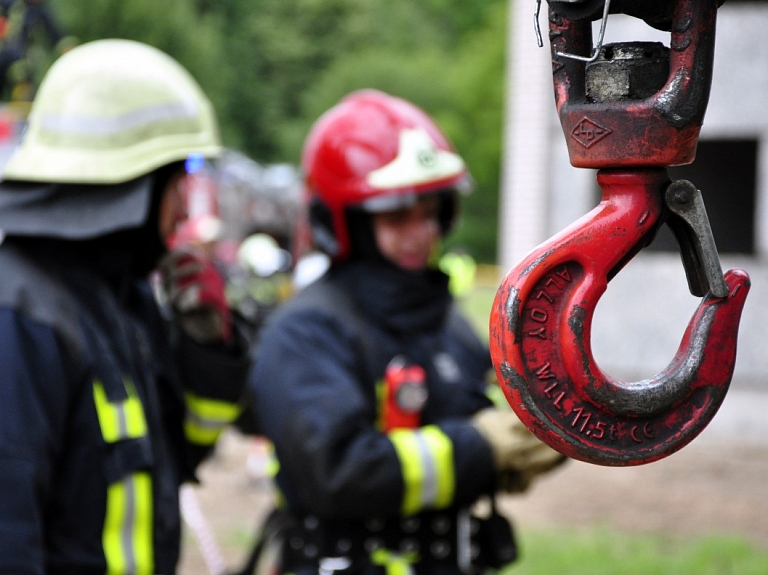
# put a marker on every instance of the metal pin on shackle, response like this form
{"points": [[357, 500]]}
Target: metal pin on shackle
{"points": [[596, 50]]}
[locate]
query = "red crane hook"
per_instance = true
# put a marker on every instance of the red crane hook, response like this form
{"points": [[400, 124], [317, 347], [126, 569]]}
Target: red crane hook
{"points": [[541, 320], [540, 338]]}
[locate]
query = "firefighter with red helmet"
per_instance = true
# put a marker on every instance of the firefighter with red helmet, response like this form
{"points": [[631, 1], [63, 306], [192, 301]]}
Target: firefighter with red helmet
{"points": [[370, 383], [108, 403]]}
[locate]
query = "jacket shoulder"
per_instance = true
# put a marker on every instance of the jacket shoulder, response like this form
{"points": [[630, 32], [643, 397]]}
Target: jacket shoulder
{"points": [[30, 287], [323, 297]]}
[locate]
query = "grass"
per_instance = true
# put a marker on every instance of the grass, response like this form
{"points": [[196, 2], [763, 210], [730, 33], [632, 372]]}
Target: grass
{"points": [[601, 551]]}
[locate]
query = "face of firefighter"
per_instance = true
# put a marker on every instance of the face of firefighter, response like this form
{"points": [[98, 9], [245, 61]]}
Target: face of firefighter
{"points": [[173, 209], [408, 236]]}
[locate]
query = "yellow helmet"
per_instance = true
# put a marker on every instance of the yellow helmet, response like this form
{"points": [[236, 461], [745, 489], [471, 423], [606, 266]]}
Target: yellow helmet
{"points": [[110, 111]]}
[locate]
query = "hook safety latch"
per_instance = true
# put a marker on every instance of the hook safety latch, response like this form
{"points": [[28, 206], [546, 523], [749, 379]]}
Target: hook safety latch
{"points": [[689, 222]]}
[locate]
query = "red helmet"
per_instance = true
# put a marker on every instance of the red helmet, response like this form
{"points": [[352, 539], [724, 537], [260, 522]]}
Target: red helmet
{"points": [[373, 152]]}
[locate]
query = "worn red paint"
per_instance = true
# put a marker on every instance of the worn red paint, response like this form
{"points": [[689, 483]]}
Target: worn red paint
{"points": [[540, 339]]}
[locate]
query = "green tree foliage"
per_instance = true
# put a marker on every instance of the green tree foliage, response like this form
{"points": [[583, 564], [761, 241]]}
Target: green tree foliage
{"points": [[272, 66], [477, 87], [174, 26], [460, 81], [461, 87], [277, 47]]}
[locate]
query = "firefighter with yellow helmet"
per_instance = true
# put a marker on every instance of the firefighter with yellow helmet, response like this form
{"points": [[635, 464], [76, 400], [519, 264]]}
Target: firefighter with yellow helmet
{"points": [[108, 403]]}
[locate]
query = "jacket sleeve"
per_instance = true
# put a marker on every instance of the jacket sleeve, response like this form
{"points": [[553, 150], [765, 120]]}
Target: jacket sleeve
{"points": [[446, 462], [334, 461], [214, 379], [34, 388]]}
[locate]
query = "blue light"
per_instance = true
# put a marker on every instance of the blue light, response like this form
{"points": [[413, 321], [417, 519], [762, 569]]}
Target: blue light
{"points": [[194, 163]]}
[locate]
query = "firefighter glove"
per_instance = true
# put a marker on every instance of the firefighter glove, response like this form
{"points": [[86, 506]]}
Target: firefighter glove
{"points": [[195, 291], [519, 456]]}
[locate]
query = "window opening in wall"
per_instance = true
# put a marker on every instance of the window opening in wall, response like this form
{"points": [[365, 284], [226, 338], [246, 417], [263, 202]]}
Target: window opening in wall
{"points": [[726, 173]]}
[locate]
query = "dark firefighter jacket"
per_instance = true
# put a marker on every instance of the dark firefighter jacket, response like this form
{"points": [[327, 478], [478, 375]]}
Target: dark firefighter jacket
{"points": [[316, 394], [103, 413]]}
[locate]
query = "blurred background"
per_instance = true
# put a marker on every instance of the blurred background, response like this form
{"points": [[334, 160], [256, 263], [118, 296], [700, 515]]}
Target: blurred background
{"points": [[271, 67]]}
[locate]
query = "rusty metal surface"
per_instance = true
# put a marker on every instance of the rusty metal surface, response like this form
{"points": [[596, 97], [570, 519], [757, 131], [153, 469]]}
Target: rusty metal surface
{"points": [[540, 338], [627, 71], [690, 224], [657, 13], [659, 130]]}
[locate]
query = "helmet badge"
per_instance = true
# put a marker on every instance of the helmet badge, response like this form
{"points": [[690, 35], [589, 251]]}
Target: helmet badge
{"points": [[428, 158]]}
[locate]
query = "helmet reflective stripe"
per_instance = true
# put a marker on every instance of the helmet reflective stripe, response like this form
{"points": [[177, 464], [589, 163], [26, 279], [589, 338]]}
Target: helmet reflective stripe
{"points": [[127, 534], [140, 118], [426, 460], [419, 161], [206, 418]]}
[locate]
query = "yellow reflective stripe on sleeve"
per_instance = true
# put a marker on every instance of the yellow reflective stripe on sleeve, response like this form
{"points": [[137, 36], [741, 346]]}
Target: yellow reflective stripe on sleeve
{"points": [[127, 536], [426, 460], [207, 417], [407, 449], [273, 464], [381, 402], [119, 420], [394, 563], [441, 449]]}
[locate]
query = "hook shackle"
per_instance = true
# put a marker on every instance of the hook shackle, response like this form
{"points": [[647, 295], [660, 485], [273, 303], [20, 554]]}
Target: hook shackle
{"points": [[660, 129], [540, 330]]}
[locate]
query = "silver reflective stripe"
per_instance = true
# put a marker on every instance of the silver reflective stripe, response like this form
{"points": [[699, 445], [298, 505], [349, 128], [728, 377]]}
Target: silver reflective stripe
{"points": [[115, 125], [122, 420], [127, 535], [426, 460], [126, 532], [205, 423], [429, 487]]}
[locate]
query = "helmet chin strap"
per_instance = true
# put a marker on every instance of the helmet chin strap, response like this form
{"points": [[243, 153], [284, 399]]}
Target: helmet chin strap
{"points": [[362, 242], [321, 225]]}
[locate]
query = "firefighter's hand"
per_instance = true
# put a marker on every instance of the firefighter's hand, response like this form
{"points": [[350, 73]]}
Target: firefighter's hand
{"points": [[518, 455], [196, 293]]}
